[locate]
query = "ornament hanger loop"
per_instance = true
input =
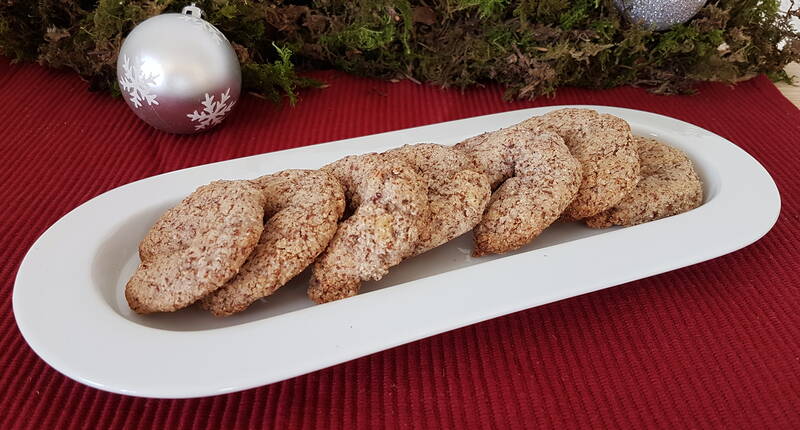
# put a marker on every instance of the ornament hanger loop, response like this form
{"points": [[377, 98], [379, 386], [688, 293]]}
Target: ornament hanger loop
{"points": [[192, 10]]}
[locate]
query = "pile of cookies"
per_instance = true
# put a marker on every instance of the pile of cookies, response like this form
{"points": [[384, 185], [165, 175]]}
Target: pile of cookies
{"points": [[231, 243]]}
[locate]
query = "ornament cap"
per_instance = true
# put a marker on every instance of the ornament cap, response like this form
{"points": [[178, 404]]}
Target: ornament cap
{"points": [[192, 10]]}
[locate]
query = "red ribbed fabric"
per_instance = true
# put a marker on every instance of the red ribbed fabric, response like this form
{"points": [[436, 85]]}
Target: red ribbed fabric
{"points": [[715, 345]]}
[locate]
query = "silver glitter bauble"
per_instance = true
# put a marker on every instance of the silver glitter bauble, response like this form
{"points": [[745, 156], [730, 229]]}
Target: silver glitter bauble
{"points": [[179, 73], [659, 14]]}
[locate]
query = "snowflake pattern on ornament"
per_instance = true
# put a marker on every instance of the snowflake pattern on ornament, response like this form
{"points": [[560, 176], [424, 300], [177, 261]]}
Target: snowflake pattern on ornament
{"points": [[205, 26], [137, 83], [213, 111]]}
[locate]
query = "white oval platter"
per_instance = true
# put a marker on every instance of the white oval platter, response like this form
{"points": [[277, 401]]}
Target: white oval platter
{"points": [[69, 305]]}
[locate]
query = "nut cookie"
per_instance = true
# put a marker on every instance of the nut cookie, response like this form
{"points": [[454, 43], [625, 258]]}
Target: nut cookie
{"points": [[389, 201], [195, 247], [534, 176], [669, 185], [604, 146], [302, 209], [457, 192]]}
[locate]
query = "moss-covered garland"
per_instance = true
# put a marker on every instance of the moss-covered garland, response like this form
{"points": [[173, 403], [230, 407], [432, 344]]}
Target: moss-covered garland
{"points": [[531, 46]]}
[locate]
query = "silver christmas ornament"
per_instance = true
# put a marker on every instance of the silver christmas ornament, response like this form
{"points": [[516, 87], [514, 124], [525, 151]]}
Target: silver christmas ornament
{"points": [[659, 14], [179, 73]]}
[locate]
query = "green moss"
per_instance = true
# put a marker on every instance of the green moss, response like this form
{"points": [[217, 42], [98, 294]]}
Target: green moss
{"points": [[543, 11], [485, 8], [575, 15], [530, 46], [361, 38], [606, 29], [266, 79]]}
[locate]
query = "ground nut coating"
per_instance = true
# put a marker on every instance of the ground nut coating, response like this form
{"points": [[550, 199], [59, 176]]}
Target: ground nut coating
{"points": [[604, 146], [302, 208], [669, 185], [390, 205], [535, 177], [457, 192], [195, 247]]}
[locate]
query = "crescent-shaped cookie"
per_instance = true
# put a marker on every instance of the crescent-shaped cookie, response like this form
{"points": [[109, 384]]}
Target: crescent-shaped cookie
{"points": [[195, 247], [389, 201], [669, 185], [535, 177], [302, 209], [604, 146]]}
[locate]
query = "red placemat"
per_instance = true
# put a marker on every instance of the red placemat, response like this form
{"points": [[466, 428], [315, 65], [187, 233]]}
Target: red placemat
{"points": [[713, 345]]}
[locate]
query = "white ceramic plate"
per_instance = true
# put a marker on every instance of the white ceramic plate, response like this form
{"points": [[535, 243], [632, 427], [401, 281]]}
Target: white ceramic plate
{"points": [[69, 305]]}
